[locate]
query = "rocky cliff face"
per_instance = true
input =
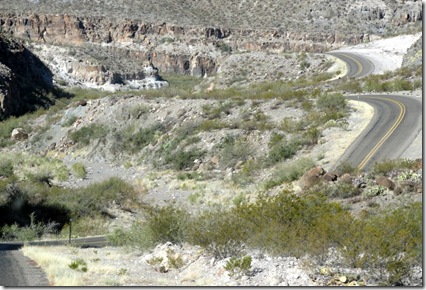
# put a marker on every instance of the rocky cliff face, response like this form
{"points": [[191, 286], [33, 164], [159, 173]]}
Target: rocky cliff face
{"points": [[189, 39], [414, 56], [23, 79]]}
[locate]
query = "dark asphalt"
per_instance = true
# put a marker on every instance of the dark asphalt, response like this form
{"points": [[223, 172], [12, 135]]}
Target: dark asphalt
{"points": [[382, 138], [16, 270], [396, 122]]}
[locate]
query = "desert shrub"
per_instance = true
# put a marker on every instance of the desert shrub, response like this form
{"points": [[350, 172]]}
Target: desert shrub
{"points": [[7, 126], [182, 159], [79, 170], [6, 167], [92, 199], [190, 175], [90, 225], [288, 172], [45, 177], [163, 224], [69, 121], [247, 172], [287, 224], [331, 102], [139, 110], [219, 231], [88, 133], [234, 150], [342, 190], [345, 167], [275, 139], [388, 245], [215, 111], [311, 136], [131, 140], [387, 166], [237, 265], [291, 125], [304, 64], [138, 236], [167, 224], [25, 233], [208, 125], [78, 265], [373, 191], [282, 150]]}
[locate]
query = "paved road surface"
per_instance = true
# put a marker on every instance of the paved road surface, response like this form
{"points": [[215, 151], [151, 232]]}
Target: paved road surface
{"points": [[18, 270], [396, 122]]}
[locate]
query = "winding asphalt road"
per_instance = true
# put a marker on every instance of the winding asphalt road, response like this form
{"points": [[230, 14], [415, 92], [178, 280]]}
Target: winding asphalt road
{"points": [[396, 122]]}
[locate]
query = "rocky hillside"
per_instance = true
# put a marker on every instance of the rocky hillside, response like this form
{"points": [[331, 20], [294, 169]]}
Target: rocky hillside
{"points": [[24, 79], [194, 37], [414, 55]]}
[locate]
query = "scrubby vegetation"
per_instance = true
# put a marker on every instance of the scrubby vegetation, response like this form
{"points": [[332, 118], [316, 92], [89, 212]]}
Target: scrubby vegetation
{"points": [[388, 245]]}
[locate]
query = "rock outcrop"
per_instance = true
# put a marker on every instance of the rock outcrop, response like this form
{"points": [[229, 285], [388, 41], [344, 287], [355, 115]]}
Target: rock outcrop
{"points": [[23, 79], [414, 55]]}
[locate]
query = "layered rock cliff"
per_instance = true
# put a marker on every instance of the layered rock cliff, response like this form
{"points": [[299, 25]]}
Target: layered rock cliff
{"points": [[191, 37]]}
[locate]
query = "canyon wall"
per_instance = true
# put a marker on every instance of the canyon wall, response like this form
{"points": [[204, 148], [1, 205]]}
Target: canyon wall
{"points": [[187, 49]]}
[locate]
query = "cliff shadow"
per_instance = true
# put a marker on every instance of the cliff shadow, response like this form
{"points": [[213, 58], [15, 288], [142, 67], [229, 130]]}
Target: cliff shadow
{"points": [[26, 83]]}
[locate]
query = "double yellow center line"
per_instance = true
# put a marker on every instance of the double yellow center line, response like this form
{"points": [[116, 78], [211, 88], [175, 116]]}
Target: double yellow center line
{"points": [[389, 132]]}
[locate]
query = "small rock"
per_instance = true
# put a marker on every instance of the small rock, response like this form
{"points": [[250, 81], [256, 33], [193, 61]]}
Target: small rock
{"points": [[385, 182]]}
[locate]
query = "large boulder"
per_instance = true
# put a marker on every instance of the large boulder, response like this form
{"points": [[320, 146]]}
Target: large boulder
{"points": [[19, 134], [385, 182], [312, 177]]}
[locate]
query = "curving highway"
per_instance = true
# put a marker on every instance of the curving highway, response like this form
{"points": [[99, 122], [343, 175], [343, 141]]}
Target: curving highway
{"points": [[357, 65], [396, 122]]}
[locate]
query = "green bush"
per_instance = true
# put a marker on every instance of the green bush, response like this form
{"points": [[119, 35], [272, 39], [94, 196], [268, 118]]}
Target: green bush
{"points": [[238, 265], [69, 121], [234, 150], [78, 265], [92, 199], [167, 224], [345, 167], [138, 236], [334, 102], [6, 167], [88, 133], [387, 166], [181, 159], [342, 190], [129, 140], [282, 150], [221, 232], [287, 224], [26, 233], [79, 170], [288, 172], [387, 245]]}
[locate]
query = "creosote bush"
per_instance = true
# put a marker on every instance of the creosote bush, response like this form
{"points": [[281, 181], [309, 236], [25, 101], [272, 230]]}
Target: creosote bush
{"points": [[388, 245], [88, 133]]}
